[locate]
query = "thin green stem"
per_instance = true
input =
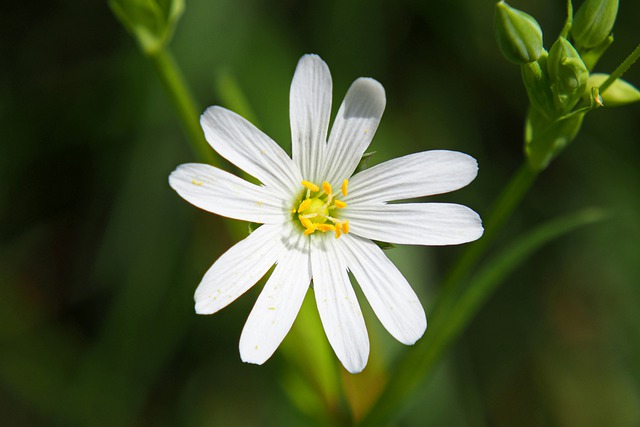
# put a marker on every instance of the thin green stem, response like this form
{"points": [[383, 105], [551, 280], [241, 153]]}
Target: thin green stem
{"points": [[411, 370], [622, 68], [184, 103]]}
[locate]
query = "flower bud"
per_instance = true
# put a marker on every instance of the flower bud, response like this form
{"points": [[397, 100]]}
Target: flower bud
{"points": [[518, 34], [593, 22], [619, 93], [567, 73], [536, 81]]}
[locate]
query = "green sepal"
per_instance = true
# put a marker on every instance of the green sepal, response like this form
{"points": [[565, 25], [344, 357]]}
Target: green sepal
{"points": [[151, 22], [364, 161], [568, 75], [590, 57], [593, 22], [545, 139], [253, 226], [536, 81], [385, 246], [619, 93], [518, 34]]}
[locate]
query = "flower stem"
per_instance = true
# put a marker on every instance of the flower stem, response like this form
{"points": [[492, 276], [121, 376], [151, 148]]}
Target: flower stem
{"points": [[417, 363], [622, 68], [184, 103]]}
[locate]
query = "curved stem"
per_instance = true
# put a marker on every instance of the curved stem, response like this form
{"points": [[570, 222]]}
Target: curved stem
{"points": [[184, 103], [413, 368]]}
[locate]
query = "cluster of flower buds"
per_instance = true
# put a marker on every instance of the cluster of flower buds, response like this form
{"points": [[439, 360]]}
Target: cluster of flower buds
{"points": [[559, 82]]}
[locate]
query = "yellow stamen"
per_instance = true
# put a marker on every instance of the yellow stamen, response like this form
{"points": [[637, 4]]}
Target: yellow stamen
{"points": [[345, 227], [325, 227], [309, 230], [326, 187], [304, 205], [338, 230], [311, 186], [306, 223], [339, 204], [345, 187]]}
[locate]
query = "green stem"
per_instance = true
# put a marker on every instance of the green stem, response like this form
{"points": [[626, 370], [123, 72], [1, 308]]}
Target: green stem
{"points": [[411, 370], [184, 103], [622, 68]]}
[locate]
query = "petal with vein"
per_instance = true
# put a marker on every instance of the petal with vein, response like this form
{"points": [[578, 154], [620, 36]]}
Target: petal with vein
{"points": [[244, 145], [390, 295], [353, 128], [433, 224], [310, 111], [416, 175], [277, 306], [239, 269], [222, 193], [338, 305]]}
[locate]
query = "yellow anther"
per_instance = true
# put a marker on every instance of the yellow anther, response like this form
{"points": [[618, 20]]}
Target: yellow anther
{"points": [[306, 223], [198, 183], [345, 187], [309, 230], [311, 186], [326, 227], [338, 230], [345, 227], [304, 205], [326, 187], [339, 204]]}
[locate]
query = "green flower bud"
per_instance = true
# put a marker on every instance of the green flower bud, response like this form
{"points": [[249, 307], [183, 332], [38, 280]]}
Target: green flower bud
{"points": [[518, 34], [619, 93], [151, 22], [593, 22], [567, 73]]}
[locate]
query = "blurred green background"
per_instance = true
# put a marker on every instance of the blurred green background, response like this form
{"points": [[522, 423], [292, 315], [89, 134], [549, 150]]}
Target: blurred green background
{"points": [[99, 258]]}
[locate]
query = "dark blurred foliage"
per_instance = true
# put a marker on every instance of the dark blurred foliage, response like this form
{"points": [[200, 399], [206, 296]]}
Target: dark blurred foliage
{"points": [[99, 258]]}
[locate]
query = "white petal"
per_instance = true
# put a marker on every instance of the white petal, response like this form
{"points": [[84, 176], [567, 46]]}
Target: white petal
{"points": [[390, 295], [239, 268], [338, 305], [433, 224], [238, 141], [222, 193], [310, 110], [276, 307], [353, 128], [415, 175]]}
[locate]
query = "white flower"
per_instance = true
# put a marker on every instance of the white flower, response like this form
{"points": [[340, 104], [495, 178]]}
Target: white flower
{"points": [[319, 221]]}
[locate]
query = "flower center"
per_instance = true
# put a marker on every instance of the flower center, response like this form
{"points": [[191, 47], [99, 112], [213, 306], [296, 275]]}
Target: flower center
{"points": [[317, 207]]}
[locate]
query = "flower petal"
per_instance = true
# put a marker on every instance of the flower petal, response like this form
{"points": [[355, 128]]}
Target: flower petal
{"points": [[239, 268], [338, 305], [353, 128], [433, 224], [238, 141], [277, 306], [310, 111], [415, 175], [390, 295], [222, 193]]}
